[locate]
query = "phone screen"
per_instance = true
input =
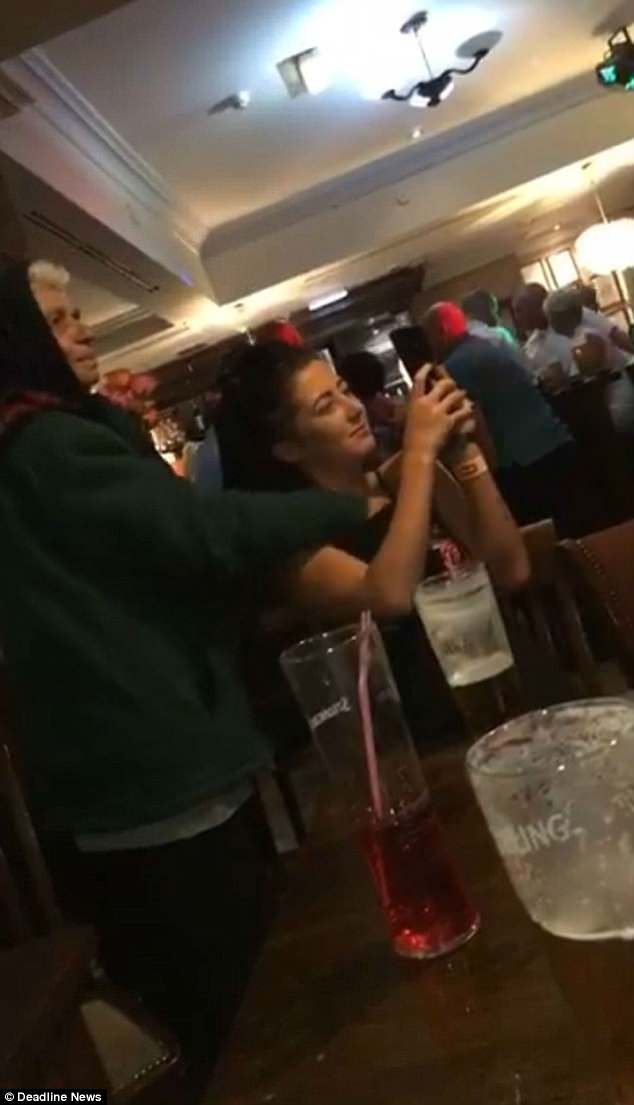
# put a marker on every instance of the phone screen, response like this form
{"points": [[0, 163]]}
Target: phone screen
{"points": [[410, 342]]}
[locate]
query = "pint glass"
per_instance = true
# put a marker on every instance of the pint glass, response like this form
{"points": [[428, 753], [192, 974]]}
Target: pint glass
{"points": [[426, 908], [557, 791], [463, 622]]}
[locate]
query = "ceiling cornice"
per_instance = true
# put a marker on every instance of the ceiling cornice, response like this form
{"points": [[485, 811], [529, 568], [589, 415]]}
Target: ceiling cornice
{"points": [[75, 119], [395, 168]]}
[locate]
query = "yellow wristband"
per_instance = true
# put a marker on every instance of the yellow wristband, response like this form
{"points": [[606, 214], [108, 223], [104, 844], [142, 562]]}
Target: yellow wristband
{"points": [[470, 469]]}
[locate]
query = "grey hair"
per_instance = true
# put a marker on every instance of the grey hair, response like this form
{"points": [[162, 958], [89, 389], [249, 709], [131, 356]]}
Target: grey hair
{"points": [[49, 275], [566, 299]]}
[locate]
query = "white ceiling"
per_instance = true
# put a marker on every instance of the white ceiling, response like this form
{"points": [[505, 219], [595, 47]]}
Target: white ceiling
{"points": [[174, 59], [283, 202]]}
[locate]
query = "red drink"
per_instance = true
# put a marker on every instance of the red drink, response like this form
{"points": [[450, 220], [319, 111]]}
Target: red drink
{"points": [[426, 907]]}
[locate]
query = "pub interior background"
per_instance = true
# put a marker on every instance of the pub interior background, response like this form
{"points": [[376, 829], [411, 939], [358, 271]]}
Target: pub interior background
{"points": [[214, 179]]}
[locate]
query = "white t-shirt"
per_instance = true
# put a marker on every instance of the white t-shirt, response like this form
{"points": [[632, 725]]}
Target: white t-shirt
{"points": [[595, 323], [545, 348]]}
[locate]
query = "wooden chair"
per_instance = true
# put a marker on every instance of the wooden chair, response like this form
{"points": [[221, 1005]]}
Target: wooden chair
{"points": [[585, 411], [602, 566], [44, 1041], [546, 612], [141, 1063]]}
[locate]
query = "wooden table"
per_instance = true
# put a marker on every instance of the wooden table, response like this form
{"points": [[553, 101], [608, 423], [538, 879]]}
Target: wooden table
{"points": [[332, 1017]]}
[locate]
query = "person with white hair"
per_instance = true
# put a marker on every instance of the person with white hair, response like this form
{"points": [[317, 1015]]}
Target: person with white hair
{"points": [[548, 355], [594, 351], [588, 352], [50, 286]]}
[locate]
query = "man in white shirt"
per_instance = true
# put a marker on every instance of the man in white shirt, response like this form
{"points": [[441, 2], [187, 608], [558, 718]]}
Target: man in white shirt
{"points": [[620, 346], [549, 355], [595, 350], [602, 323]]}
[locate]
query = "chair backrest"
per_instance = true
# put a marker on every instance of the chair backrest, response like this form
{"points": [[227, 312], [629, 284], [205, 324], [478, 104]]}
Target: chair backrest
{"points": [[603, 566], [607, 468], [548, 610], [27, 900]]}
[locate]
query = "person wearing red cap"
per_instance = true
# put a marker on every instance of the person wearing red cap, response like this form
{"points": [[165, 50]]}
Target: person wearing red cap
{"points": [[283, 331], [539, 471]]}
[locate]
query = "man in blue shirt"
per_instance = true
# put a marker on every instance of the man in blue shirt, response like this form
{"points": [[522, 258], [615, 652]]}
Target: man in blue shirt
{"points": [[538, 466]]}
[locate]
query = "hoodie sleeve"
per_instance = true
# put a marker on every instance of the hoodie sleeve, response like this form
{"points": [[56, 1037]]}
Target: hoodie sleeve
{"points": [[109, 505]]}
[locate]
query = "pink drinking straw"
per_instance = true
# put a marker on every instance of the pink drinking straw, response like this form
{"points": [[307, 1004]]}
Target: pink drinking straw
{"points": [[450, 556], [365, 642]]}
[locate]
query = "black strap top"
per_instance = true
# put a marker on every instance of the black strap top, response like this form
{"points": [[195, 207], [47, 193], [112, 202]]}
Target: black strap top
{"points": [[429, 707]]}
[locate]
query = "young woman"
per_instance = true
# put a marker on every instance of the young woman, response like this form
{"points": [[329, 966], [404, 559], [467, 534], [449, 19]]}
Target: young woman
{"points": [[288, 421]]}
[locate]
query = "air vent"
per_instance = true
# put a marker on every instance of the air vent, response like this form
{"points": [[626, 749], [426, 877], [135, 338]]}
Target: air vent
{"points": [[95, 254], [12, 97]]}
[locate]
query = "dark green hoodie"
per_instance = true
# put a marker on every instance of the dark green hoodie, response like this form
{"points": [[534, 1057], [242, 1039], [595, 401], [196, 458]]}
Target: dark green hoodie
{"points": [[118, 618]]}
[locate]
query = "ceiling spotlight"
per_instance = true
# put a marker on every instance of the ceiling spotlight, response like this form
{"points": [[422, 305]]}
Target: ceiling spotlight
{"points": [[432, 91], [308, 72], [617, 68]]}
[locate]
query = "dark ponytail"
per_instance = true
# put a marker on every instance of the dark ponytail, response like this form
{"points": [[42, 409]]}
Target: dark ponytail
{"points": [[254, 415]]}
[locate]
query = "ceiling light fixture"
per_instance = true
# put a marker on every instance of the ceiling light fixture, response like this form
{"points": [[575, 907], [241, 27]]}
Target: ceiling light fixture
{"points": [[308, 72], [608, 246], [237, 101], [434, 90], [328, 299]]}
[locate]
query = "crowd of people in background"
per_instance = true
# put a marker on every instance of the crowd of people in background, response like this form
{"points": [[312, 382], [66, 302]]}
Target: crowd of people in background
{"points": [[511, 369]]}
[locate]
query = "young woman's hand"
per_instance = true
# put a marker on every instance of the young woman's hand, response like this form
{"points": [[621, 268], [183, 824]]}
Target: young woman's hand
{"points": [[470, 427], [435, 413]]}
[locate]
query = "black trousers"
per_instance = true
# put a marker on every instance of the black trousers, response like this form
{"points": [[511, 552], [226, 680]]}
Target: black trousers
{"points": [[556, 486], [181, 924]]}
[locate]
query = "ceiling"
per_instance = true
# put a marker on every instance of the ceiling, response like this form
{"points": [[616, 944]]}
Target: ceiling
{"points": [[98, 306], [241, 216], [173, 60]]}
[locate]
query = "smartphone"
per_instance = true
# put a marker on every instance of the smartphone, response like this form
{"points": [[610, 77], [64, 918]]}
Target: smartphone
{"points": [[410, 342]]}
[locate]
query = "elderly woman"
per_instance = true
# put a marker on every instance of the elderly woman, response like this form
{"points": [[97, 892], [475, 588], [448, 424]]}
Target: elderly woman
{"points": [[119, 625]]}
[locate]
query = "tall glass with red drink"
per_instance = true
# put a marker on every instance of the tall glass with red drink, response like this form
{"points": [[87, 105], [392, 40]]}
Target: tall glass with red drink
{"points": [[427, 909]]}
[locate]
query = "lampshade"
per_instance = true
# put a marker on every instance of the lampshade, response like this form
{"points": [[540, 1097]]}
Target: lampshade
{"points": [[607, 247]]}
